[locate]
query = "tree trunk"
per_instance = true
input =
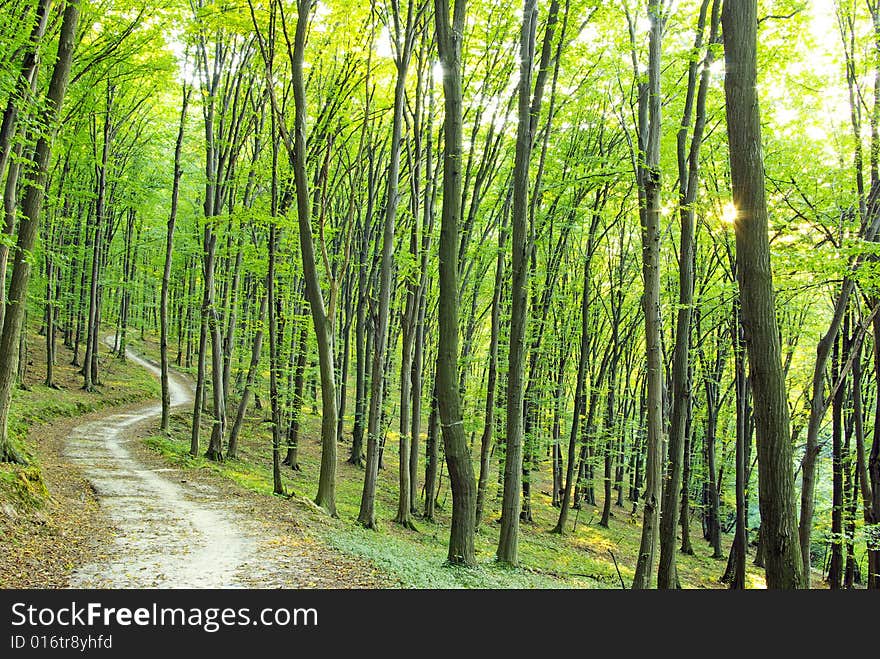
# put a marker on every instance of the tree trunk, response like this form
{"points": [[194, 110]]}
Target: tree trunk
{"points": [[232, 447], [92, 326], [166, 273], [28, 225], [299, 383], [458, 458], [784, 564], [274, 399], [686, 547], [873, 471], [688, 172], [521, 245], [818, 408], [582, 375], [432, 457], [321, 317], [835, 567], [232, 319], [199, 398], [649, 177], [25, 86], [492, 378], [367, 514]]}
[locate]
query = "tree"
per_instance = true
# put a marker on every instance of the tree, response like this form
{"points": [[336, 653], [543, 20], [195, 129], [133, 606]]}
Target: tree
{"points": [[28, 224], [404, 36], [166, 273], [521, 246], [688, 177], [458, 459], [784, 567], [648, 178]]}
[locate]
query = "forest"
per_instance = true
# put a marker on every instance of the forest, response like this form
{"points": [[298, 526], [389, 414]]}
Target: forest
{"points": [[567, 293]]}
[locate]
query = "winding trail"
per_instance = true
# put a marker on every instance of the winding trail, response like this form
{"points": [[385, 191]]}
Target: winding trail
{"points": [[169, 533]]}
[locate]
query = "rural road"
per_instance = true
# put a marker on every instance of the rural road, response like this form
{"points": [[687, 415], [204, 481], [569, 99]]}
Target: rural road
{"points": [[169, 534]]}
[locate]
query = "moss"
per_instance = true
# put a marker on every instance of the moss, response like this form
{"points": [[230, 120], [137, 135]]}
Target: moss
{"points": [[22, 486]]}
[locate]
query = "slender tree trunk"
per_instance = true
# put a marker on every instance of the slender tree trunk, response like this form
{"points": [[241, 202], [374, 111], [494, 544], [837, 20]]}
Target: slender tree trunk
{"points": [[492, 379], [10, 208], [784, 564], [610, 429], [735, 573], [199, 398], [818, 408], [855, 465], [686, 547], [422, 304], [835, 567], [521, 245], [25, 86], [321, 316], [92, 326], [367, 514], [713, 520], [166, 273], [212, 322], [872, 474], [191, 287], [274, 399], [26, 81], [232, 447], [458, 458], [232, 319], [28, 225], [688, 167], [582, 375], [356, 456], [649, 175], [346, 357], [432, 457], [299, 383]]}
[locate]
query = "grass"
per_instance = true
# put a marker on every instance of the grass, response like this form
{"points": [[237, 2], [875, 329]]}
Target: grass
{"points": [[582, 558]]}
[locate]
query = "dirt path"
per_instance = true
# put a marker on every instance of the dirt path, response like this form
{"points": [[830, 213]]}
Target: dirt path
{"points": [[171, 532], [165, 536]]}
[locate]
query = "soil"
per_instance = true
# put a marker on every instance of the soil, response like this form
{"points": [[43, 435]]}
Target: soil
{"points": [[42, 546]]}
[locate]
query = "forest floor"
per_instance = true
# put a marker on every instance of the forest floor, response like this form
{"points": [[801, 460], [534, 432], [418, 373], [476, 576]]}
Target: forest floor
{"points": [[109, 502], [583, 558], [97, 508], [50, 520]]}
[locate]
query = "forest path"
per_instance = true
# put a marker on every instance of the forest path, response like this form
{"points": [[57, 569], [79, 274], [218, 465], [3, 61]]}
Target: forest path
{"points": [[171, 530], [167, 535]]}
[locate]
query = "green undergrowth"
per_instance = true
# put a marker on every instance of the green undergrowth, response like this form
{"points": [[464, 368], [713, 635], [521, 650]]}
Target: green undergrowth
{"points": [[175, 449], [584, 557], [415, 558], [22, 486], [419, 561]]}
